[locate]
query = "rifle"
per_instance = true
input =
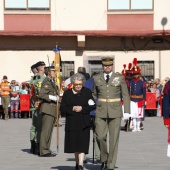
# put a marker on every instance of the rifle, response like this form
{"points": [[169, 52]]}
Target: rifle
{"points": [[57, 60]]}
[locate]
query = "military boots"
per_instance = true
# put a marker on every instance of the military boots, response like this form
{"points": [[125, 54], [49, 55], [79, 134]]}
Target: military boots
{"points": [[33, 147]]}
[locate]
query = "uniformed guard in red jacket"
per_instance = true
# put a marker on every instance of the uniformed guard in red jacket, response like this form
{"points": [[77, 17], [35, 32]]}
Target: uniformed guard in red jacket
{"points": [[137, 96], [127, 73], [166, 111]]}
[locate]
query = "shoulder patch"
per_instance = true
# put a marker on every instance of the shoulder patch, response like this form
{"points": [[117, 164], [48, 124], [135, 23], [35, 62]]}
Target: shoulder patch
{"points": [[38, 84]]}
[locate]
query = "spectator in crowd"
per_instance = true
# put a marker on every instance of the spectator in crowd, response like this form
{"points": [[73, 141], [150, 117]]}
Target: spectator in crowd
{"points": [[81, 70], [24, 90], [76, 104], [5, 95], [158, 84], [14, 99], [148, 87], [154, 89], [67, 82]]}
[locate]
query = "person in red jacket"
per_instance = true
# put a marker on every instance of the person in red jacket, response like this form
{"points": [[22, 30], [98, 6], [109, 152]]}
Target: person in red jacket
{"points": [[128, 77], [166, 112]]}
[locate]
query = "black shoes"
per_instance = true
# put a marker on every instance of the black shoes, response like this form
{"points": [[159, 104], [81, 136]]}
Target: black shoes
{"points": [[104, 166], [33, 147], [80, 167], [48, 155], [76, 167], [85, 161]]}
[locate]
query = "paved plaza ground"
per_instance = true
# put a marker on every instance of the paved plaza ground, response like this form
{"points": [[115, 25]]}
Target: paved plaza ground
{"points": [[144, 150]]}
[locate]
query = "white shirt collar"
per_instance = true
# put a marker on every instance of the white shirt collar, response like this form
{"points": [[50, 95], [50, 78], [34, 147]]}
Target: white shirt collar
{"points": [[110, 74]]}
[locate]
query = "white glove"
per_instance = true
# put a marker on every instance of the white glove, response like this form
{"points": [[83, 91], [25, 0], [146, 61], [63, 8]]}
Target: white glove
{"points": [[126, 116], [91, 102], [53, 98]]}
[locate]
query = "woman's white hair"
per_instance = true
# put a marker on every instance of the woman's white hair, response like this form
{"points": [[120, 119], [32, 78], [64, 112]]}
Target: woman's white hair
{"points": [[77, 76]]}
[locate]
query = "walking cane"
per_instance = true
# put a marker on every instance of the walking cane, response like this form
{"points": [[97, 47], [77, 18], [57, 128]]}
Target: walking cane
{"points": [[93, 136], [93, 146]]}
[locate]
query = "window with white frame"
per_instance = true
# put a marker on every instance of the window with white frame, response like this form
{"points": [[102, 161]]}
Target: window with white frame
{"points": [[130, 5], [27, 4], [147, 69]]}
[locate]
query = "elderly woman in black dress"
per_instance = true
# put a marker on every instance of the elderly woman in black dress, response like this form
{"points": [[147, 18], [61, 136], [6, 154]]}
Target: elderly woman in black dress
{"points": [[76, 104]]}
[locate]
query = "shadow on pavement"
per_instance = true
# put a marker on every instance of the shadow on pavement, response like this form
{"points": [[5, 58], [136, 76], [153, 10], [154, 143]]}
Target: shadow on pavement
{"points": [[92, 166], [63, 167], [25, 150]]}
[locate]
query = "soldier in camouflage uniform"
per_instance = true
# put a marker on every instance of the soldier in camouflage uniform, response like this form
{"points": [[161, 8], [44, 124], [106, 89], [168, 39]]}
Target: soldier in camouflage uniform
{"points": [[33, 78], [35, 129], [32, 107]]}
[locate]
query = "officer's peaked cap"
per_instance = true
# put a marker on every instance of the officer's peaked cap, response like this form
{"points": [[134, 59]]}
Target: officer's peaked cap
{"points": [[107, 60], [50, 68]]}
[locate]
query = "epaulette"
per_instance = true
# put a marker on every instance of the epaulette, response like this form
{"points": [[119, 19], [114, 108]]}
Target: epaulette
{"points": [[118, 73]]}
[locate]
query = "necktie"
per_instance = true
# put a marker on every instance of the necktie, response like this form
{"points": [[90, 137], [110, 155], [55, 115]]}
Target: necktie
{"points": [[107, 78]]}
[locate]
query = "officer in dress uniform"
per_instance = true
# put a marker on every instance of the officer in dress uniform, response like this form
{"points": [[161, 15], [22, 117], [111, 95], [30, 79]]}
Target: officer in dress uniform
{"points": [[166, 111], [128, 77], [137, 96], [35, 129], [107, 88], [49, 94]]}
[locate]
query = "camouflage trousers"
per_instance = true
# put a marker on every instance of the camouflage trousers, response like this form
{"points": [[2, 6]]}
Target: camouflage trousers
{"points": [[35, 129]]}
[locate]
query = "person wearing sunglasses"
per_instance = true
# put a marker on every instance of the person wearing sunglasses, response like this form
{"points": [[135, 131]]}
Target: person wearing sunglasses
{"points": [[76, 104]]}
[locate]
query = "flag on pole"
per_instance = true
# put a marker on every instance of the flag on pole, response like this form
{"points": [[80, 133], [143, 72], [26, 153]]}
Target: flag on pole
{"points": [[57, 65]]}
